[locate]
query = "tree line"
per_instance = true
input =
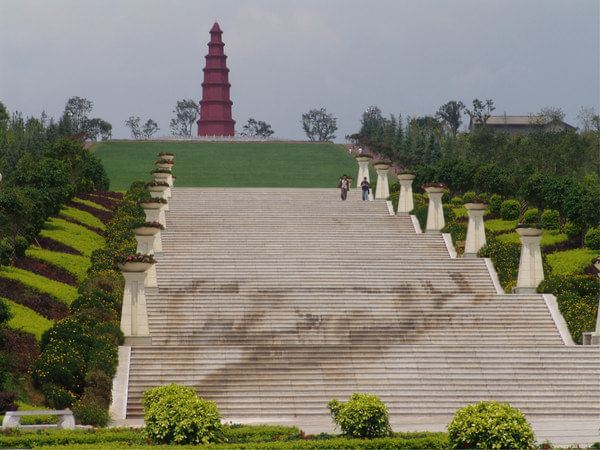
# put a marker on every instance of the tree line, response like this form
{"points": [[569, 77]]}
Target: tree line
{"points": [[558, 170]]}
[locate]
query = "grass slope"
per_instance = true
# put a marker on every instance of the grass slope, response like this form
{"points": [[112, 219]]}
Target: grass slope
{"points": [[61, 291], [75, 236], [571, 261], [27, 319], [82, 217], [90, 203], [75, 264], [270, 164]]}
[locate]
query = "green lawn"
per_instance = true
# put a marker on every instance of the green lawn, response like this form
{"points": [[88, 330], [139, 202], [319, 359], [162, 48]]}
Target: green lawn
{"points": [[61, 291], [499, 225], [73, 235], [249, 164], [549, 237], [27, 319], [571, 261], [75, 264], [83, 217], [90, 203]]}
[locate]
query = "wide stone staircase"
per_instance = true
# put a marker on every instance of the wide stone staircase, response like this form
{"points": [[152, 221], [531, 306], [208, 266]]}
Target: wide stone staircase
{"points": [[274, 301]]}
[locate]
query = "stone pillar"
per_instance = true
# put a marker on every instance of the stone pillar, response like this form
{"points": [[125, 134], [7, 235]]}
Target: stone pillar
{"points": [[405, 201], [363, 169], [145, 246], [531, 271], [382, 190], [134, 314], [155, 212], [475, 229], [435, 211]]}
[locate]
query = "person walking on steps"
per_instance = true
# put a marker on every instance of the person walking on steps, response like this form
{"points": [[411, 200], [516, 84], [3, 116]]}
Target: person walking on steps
{"points": [[365, 186], [344, 185]]}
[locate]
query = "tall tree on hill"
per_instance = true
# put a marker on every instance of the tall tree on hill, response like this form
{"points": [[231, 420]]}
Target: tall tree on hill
{"points": [[133, 123], [481, 111], [186, 114], [149, 129], [257, 128], [451, 115], [319, 125], [78, 109]]}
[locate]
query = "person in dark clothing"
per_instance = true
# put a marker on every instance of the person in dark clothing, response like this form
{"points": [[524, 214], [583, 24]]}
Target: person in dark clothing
{"points": [[366, 187], [344, 185]]}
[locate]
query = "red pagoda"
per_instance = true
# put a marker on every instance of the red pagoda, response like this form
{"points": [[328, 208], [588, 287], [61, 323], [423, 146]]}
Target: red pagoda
{"points": [[215, 106]]}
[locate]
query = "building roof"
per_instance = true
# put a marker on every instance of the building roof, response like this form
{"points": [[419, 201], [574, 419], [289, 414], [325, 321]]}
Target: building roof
{"points": [[521, 120]]}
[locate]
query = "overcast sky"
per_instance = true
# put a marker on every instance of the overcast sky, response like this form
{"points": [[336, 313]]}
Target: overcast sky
{"points": [[137, 57]]}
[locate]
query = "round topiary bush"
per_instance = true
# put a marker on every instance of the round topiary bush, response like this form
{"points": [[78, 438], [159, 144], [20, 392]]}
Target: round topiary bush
{"points": [[495, 202], [592, 238], [550, 219], [531, 216], [490, 425], [456, 201], [469, 197], [362, 416], [572, 231], [510, 210], [176, 415]]}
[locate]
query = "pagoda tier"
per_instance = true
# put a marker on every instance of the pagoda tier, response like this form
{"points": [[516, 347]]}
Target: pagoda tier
{"points": [[215, 106]]}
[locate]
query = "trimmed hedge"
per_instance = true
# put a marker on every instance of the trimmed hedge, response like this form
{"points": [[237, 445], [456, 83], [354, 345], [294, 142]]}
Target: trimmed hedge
{"points": [[79, 353], [425, 443]]}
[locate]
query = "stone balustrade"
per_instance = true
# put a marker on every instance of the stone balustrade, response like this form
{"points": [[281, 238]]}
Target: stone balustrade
{"points": [[382, 190], [134, 313], [475, 229], [531, 271], [363, 169], [155, 212], [405, 200], [435, 210]]}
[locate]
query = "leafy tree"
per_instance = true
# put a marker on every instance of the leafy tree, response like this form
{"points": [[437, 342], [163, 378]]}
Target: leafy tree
{"points": [[186, 113], [4, 116], [482, 110], [77, 109], [319, 125], [450, 114], [133, 123], [149, 129], [552, 113], [585, 117], [257, 128], [98, 128]]}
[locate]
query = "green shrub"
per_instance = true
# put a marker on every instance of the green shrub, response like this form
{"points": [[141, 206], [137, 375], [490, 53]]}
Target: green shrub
{"points": [[58, 397], [469, 197], [577, 298], [483, 197], [458, 231], [490, 425], [495, 202], [581, 285], [420, 212], [456, 201], [592, 238], [550, 219], [176, 415], [238, 434], [60, 365], [90, 410], [572, 230], [510, 210], [505, 257], [362, 416], [531, 216]]}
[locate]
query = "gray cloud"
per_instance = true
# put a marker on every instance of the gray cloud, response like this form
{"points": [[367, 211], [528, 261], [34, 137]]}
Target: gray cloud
{"points": [[140, 56]]}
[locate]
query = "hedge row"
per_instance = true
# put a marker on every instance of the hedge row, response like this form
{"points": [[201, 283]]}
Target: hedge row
{"points": [[79, 353], [256, 437]]}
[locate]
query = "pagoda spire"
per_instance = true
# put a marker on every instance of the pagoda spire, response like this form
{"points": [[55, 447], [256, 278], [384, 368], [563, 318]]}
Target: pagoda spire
{"points": [[215, 106]]}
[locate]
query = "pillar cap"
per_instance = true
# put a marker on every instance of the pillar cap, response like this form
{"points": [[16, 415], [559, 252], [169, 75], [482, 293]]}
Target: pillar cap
{"points": [[363, 157], [529, 231], [476, 206], [406, 176], [381, 165]]}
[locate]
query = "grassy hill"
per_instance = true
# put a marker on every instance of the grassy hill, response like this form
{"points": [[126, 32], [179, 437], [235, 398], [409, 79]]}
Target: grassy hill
{"points": [[235, 164]]}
